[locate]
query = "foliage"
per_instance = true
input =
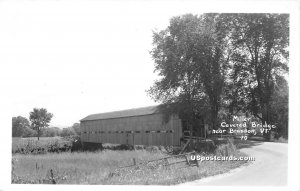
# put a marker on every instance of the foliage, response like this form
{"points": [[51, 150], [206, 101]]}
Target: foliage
{"points": [[50, 132], [279, 108], [19, 126], [259, 60], [228, 149], [191, 58], [70, 131], [29, 132], [223, 62], [40, 118], [45, 145], [67, 132]]}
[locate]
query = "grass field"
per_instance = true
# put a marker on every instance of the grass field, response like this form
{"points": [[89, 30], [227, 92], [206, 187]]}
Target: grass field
{"points": [[95, 168], [26, 145]]}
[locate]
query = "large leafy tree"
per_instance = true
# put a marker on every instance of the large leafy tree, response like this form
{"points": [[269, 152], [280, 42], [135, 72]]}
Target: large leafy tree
{"points": [[191, 57], [40, 118], [259, 62], [212, 58], [279, 107], [19, 125]]}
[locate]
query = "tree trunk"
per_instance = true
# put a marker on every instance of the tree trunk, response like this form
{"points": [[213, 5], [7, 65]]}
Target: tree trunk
{"points": [[266, 118], [214, 116], [38, 134]]}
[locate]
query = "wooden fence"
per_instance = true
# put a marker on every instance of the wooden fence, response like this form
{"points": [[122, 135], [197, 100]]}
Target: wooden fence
{"points": [[165, 162]]}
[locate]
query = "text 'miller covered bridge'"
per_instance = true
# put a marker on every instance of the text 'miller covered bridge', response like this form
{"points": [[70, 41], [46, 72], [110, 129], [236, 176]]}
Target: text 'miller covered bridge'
{"points": [[140, 126]]}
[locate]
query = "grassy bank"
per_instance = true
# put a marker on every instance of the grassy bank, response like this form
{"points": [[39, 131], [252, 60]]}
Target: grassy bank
{"points": [[46, 166], [95, 168]]}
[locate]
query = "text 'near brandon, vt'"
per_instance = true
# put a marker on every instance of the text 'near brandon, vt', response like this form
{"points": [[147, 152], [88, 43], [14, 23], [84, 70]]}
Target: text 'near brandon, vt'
{"points": [[241, 125]]}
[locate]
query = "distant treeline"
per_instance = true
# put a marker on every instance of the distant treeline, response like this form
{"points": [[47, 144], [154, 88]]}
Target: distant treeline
{"points": [[21, 128]]}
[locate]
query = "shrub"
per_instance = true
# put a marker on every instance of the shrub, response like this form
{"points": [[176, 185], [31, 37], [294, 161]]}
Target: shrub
{"points": [[152, 148], [75, 141], [30, 146], [28, 132], [67, 132], [51, 132], [281, 140], [226, 150]]}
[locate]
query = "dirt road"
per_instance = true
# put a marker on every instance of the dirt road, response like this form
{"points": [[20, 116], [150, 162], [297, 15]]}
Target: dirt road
{"points": [[268, 169]]}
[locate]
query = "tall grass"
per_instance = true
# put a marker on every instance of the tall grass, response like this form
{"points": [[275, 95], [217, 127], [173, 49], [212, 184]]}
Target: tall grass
{"points": [[101, 167], [96, 168], [227, 149]]}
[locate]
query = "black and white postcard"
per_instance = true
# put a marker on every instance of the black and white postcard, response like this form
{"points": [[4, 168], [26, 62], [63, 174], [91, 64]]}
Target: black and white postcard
{"points": [[175, 94]]}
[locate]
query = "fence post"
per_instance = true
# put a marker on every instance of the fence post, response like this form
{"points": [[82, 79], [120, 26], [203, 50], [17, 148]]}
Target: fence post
{"points": [[187, 160], [52, 177], [134, 161], [167, 163], [133, 140], [197, 162]]}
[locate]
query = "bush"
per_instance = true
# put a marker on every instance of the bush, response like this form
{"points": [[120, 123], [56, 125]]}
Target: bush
{"points": [[152, 148], [67, 132], [226, 150], [51, 132], [207, 146], [30, 146], [281, 140], [75, 142], [28, 132]]}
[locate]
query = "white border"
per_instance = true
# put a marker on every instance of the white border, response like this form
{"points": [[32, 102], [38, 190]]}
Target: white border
{"points": [[291, 7]]}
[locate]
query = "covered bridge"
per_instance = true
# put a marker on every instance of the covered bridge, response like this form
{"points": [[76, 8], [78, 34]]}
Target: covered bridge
{"points": [[140, 126]]}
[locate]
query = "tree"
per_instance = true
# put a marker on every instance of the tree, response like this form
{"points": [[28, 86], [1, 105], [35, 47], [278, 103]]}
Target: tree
{"points": [[234, 61], [259, 61], [76, 128], [279, 108], [19, 125], [67, 132], [212, 59], [29, 132], [39, 119], [191, 57], [51, 132]]}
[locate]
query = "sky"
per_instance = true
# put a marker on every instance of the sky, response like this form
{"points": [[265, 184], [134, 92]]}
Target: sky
{"points": [[77, 58]]}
